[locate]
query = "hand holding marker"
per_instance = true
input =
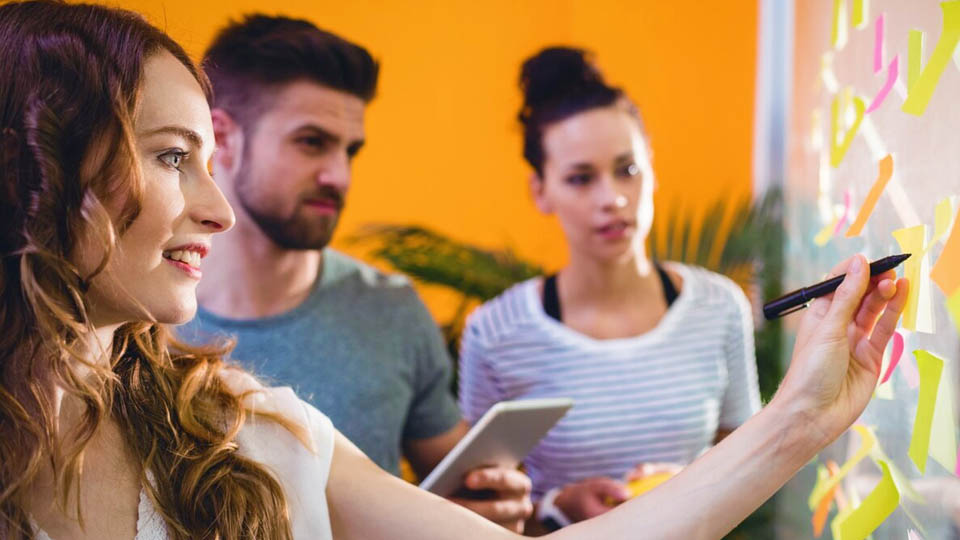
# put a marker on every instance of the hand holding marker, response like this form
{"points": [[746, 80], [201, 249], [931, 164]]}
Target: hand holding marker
{"points": [[799, 298]]}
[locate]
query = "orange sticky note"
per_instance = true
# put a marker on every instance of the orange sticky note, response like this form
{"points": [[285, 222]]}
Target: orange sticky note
{"points": [[883, 176], [946, 271], [922, 83]]}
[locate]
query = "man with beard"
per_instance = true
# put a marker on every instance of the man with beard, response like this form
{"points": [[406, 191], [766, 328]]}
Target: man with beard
{"points": [[358, 344]]}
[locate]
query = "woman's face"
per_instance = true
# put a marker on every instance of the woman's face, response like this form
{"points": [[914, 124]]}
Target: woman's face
{"points": [[598, 180], [154, 274]]}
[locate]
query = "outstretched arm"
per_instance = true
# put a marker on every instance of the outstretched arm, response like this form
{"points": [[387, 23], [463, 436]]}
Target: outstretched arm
{"points": [[835, 367]]}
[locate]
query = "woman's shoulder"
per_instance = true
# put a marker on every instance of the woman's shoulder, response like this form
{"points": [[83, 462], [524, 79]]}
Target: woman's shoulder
{"points": [[504, 313]]}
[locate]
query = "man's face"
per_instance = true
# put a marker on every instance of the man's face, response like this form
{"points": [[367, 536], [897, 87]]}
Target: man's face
{"points": [[295, 172]]}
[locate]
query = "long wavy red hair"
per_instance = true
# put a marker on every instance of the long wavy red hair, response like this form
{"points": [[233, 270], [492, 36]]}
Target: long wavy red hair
{"points": [[69, 85]]}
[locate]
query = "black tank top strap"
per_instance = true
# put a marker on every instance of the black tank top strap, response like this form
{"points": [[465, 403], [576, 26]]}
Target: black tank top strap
{"points": [[669, 291], [551, 300]]}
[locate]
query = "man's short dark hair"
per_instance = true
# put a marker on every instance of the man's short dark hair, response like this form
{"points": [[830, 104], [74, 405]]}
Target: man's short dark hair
{"points": [[249, 58]]}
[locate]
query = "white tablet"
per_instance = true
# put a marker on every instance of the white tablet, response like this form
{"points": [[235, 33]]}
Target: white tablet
{"points": [[502, 437]]}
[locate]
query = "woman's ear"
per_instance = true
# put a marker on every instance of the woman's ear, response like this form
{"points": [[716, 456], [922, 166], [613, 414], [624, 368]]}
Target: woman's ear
{"points": [[229, 137], [537, 192]]}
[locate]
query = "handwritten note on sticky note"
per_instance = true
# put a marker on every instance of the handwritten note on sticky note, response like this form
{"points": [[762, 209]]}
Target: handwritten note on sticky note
{"points": [[930, 368], [868, 441], [918, 313], [946, 271], [921, 83], [886, 171], [943, 434], [874, 510]]}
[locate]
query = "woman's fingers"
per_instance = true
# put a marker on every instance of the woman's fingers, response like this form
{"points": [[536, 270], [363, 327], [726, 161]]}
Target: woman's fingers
{"points": [[873, 303], [888, 321], [848, 296]]}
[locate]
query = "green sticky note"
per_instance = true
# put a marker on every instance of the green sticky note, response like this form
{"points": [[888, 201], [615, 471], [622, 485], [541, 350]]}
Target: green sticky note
{"points": [[953, 306], [840, 140], [943, 437], [918, 313], [930, 368], [921, 83], [874, 510]]}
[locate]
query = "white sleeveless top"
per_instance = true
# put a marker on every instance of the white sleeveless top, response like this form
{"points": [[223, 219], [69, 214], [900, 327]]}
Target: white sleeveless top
{"points": [[301, 471]]}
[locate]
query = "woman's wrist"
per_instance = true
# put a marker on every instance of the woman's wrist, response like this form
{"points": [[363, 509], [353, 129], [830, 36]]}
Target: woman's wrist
{"points": [[797, 425]]}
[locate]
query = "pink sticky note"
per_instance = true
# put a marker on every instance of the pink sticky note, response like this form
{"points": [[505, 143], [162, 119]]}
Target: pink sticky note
{"points": [[895, 353], [845, 216], [878, 45], [957, 471], [892, 73]]}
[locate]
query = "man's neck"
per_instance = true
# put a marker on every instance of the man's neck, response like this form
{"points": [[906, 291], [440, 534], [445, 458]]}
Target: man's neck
{"points": [[248, 276]]}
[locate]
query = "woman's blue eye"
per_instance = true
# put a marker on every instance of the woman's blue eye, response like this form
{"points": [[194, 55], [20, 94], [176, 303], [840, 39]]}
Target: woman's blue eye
{"points": [[174, 158]]}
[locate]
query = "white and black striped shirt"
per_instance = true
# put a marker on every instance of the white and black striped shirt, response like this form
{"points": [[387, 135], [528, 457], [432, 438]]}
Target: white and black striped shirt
{"points": [[656, 397]]}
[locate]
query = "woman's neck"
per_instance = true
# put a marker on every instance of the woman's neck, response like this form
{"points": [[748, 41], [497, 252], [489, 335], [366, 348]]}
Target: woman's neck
{"points": [[602, 281]]}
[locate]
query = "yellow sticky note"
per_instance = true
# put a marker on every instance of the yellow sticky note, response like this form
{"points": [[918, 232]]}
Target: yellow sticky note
{"points": [[861, 11], [883, 176], [943, 218], [840, 142], [838, 32], [946, 271], [874, 510], [868, 441], [930, 368], [918, 313], [921, 83], [953, 306], [826, 233]]}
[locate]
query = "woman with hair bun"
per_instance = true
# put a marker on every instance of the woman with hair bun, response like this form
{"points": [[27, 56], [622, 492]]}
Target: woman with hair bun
{"points": [[658, 356], [110, 428]]}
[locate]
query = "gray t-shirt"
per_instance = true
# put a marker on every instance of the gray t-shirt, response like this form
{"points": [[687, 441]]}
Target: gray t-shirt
{"points": [[362, 348]]}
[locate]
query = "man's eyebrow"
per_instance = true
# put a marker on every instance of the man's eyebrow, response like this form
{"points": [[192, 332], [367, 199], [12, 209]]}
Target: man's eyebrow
{"points": [[181, 131], [318, 130]]}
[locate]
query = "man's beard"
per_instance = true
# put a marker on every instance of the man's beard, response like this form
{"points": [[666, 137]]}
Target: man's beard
{"points": [[292, 232]]}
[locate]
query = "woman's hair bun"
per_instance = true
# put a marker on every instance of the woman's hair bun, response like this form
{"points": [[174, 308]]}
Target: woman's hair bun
{"points": [[559, 73]]}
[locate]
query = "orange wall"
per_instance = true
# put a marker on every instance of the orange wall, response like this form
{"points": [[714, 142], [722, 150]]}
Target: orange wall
{"points": [[443, 146]]}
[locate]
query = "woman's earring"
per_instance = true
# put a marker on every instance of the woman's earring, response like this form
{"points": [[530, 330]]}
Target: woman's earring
{"points": [[620, 201]]}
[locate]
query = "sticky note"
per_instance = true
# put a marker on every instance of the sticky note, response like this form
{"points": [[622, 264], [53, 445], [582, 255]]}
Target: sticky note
{"points": [[930, 368], [943, 218], [883, 176], [918, 313], [838, 32], [879, 47], [874, 510], [820, 515], [861, 11], [840, 143], [826, 232], [868, 441], [908, 368], [946, 271], [953, 306], [943, 434], [893, 71], [896, 350], [921, 83], [845, 214]]}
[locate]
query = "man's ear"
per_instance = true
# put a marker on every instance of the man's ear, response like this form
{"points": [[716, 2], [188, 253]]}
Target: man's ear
{"points": [[229, 136], [537, 188]]}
